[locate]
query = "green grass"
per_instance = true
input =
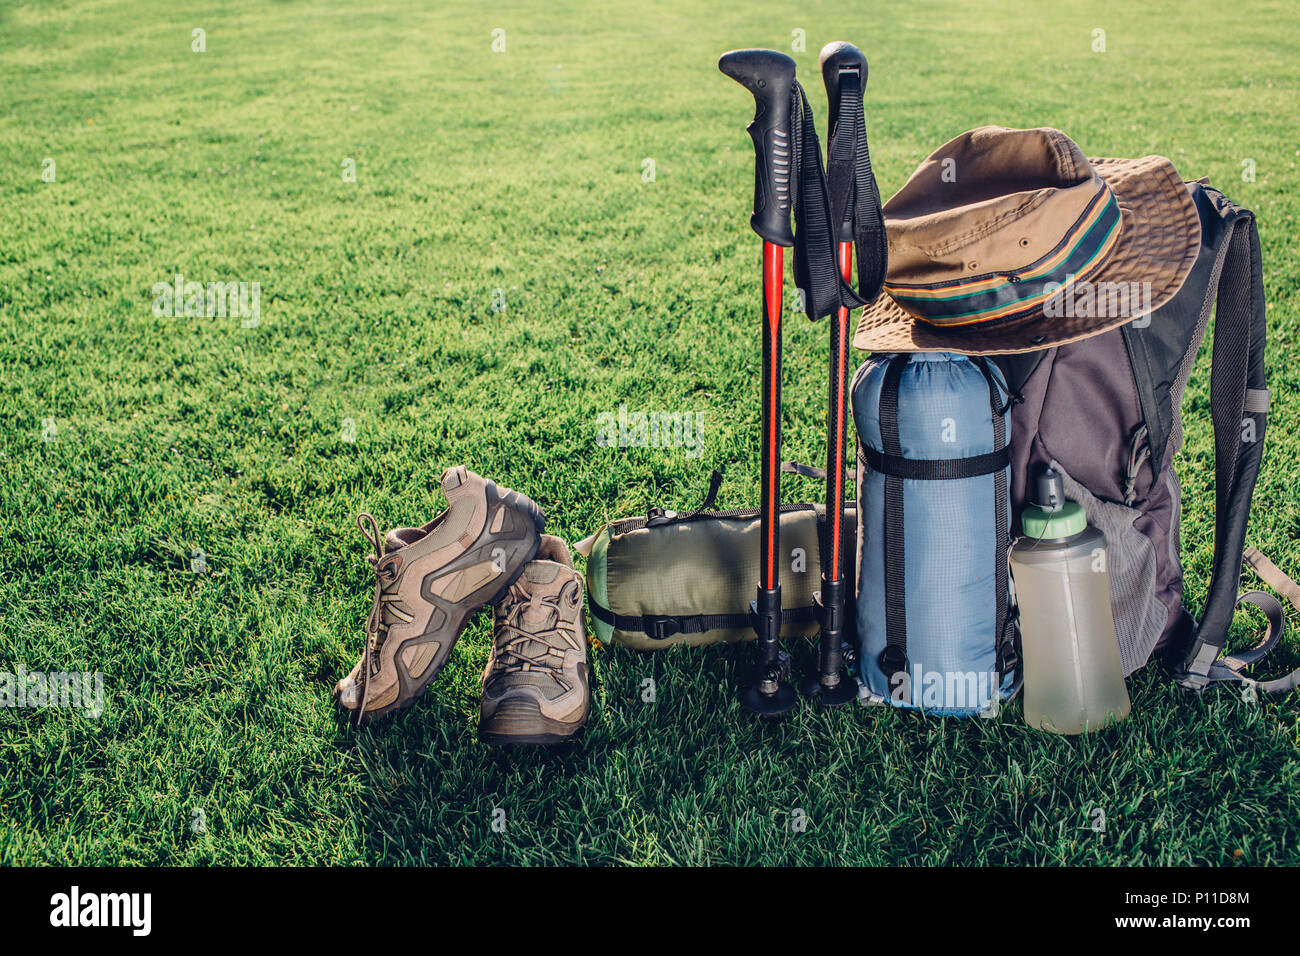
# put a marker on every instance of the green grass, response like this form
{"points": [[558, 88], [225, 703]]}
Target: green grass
{"points": [[522, 172]]}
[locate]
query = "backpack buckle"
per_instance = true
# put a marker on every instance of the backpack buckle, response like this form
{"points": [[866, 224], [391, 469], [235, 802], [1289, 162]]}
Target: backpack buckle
{"points": [[892, 660], [662, 628], [1194, 675], [1007, 659]]}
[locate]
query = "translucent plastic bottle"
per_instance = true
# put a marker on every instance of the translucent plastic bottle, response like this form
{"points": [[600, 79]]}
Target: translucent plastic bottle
{"points": [[1073, 679]]}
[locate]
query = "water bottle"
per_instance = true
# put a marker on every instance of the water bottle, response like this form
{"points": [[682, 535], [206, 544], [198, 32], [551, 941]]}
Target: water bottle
{"points": [[1073, 681]]}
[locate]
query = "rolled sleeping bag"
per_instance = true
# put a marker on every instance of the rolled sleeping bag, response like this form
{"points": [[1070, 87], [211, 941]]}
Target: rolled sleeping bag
{"points": [[934, 512], [667, 579]]}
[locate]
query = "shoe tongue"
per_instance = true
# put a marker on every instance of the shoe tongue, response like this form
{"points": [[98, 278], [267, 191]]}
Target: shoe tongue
{"points": [[534, 648], [538, 616], [542, 572]]}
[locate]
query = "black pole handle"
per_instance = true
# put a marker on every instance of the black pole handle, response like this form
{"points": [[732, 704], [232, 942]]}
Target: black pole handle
{"points": [[838, 58], [768, 75]]}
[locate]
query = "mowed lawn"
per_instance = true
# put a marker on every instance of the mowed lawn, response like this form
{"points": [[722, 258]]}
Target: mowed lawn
{"points": [[534, 235]]}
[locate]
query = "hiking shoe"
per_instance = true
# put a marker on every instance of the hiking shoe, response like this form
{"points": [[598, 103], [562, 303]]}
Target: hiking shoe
{"points": [[429, 581], [536, 686]]}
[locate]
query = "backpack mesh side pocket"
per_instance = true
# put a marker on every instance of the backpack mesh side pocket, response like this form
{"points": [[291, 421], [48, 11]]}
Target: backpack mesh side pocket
{"points": [[1140, 617]]}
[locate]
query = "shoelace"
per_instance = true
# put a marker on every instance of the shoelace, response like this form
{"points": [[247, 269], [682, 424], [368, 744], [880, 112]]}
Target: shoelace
{"points": [[513, 637], [385, 599]]}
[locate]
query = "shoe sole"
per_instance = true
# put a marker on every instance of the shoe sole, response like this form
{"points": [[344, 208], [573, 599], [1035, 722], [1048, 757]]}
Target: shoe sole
{"points": [[522, 722], [411, 689]]}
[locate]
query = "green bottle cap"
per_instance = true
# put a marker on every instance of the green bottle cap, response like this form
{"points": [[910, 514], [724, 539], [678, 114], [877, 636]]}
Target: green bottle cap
{"points": [[1043, 524]]}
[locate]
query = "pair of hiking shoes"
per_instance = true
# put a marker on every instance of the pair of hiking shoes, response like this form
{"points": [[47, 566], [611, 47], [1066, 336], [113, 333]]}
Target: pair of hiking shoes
{"points": [[488, 547]]}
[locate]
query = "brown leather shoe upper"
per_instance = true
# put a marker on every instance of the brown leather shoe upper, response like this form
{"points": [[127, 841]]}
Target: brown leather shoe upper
{"points": [[539, 652]]}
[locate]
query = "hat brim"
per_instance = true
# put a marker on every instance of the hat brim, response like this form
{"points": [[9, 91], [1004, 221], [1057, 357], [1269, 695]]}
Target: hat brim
{"points": [[1159, 240]]}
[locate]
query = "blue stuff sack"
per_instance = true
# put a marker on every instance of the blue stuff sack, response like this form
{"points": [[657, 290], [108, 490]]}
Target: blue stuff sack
{"points": [[934, 627]]}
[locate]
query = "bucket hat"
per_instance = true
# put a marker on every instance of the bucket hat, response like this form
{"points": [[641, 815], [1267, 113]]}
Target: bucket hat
{"points": [[1011, 240]]}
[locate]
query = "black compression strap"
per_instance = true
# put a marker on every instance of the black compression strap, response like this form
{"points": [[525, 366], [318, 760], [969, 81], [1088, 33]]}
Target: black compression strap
{"points": [[937, 469], [807, 471], [894, 658], [711, 497], [662, 626], [1001, 519]]}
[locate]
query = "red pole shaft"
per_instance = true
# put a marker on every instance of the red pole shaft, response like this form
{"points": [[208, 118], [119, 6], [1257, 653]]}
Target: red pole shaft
{"points": [[773, 271], [835, 418]]}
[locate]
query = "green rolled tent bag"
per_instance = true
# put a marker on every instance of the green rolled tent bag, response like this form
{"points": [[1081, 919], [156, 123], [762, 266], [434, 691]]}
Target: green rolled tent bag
{"points": [[666, 579]]}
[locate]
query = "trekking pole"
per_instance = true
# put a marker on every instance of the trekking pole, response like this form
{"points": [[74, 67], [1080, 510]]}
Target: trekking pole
{"points": [[831, 686], [769, 76]]}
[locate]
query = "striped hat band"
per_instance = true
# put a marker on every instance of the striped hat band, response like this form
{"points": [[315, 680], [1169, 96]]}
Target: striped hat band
{"points": [[1003, 297]]}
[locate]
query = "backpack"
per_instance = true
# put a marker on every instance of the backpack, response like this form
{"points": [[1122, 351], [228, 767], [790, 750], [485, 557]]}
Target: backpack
{"points": [[933, 597], [1106, 413]]}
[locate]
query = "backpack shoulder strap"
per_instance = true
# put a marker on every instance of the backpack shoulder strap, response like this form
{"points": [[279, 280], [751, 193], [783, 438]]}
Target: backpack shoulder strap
{"points": [[1239, 409]]}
